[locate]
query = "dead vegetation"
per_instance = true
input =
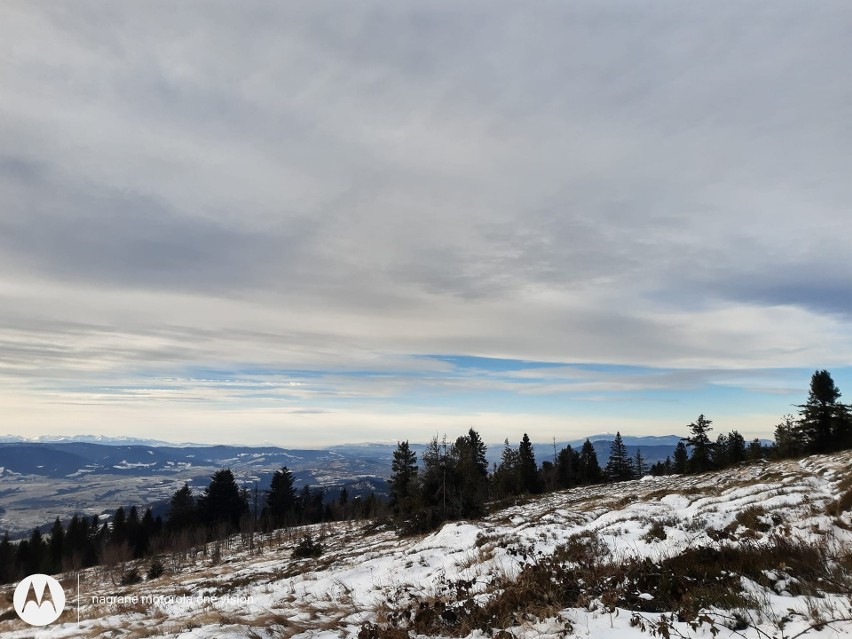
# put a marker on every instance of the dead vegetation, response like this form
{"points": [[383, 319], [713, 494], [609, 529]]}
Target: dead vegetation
{"points": [[580, 574]]}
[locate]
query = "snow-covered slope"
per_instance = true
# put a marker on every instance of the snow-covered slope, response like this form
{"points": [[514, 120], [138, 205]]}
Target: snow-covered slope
{"points": [[370, 583]]}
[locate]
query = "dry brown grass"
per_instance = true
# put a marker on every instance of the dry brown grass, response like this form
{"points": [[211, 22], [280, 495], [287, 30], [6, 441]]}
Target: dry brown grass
{"points": [[751, 518], [840, 505], [579, 574]]}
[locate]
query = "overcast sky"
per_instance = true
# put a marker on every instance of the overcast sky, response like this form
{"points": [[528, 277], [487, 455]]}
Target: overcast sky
{"points": [[306, 223]]}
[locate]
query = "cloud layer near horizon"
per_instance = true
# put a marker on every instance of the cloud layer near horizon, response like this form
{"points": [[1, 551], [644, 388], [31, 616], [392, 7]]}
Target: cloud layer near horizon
{"points": [[345, 188]]}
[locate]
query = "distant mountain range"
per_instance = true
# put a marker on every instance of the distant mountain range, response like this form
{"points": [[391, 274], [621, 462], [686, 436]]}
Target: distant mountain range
{"points": [[91, 439], [74, 456], [363, 448], [49, 477]]}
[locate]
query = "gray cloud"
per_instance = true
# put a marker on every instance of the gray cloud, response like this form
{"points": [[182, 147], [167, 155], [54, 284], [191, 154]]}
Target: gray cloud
{"points": [[658, 184]]}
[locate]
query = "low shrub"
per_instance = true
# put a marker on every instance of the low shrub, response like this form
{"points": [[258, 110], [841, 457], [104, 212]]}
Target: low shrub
{"points": [[130, 577], [657, 531], [155, 570], [751, 518], [307, 547]]}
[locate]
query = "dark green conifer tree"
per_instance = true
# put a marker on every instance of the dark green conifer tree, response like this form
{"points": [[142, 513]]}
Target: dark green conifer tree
{"points": [[640, 468], [281, 501], [505, 479], [403, 481], [824, 423], [736, 448], [7, 559], [787, 440], [118, 534], [620, 466], [183, 512], [471, 474], [38, 561], [221, 502], [589, 471], [567, 468], [56, 546], [701, 456], [530, 482], [680, 459]]}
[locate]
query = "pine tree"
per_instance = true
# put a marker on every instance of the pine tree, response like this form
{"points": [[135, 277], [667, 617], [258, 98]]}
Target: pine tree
{"points": [[55, 546], [680, 459], [96, 537], [719, 452], [736, 450], [702, 448], [280, 508], [438, 482], [23, 559], [471, 473], [38, 554], [76, 542], [619, 467], [403, 481], [315, 510], [506, 476], [133, 532], [7, 559], [118, 534], [221, 502], [589, 471], [756, 450], [824, 423], [639, 465], [567, 468], [183, 513], [147, 532], [662, 468], [528, 477], [787, 443]]}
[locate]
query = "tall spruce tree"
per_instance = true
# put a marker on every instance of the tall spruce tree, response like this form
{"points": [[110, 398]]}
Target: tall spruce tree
{"points": [[620, 466], [147, 532], [134, 532], [471, 473], [701, 456], [505, 478], [567, 468], [437, 483], [737, 451], [118, 531], [787, 442], [56, 546], [719, 452], [280, 508], [76, 543], [680, 459], [824, 423], [38, 560], [403, 480], [183, 512], [640, 467], [7, 557], [528, 476], [221, 502], [589, 471]]}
